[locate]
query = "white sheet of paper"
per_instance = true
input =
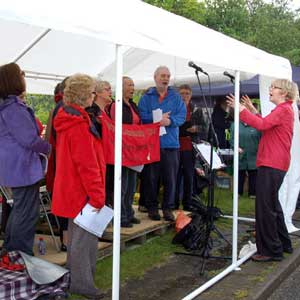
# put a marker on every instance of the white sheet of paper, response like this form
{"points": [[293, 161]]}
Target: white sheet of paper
{"points": [[92, 221], [138, 168], [204, 149], [157, 116]]}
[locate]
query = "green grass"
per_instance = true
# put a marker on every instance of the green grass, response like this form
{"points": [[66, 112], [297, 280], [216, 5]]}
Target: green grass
{"points": [[136, 261], [224, 200]]}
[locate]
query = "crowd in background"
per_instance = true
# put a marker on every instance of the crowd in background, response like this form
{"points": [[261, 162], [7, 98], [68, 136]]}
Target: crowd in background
{"points": [[78, 172]]}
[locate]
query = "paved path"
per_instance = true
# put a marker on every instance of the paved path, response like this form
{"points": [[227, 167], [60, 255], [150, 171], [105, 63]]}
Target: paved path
{"points": [[289, 289]]}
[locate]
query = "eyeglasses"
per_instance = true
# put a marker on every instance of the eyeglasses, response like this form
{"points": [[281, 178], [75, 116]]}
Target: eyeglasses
{"points": [[273, 87]]}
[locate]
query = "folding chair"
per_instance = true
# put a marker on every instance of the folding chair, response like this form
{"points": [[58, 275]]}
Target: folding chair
{"points": [[45, 210]]}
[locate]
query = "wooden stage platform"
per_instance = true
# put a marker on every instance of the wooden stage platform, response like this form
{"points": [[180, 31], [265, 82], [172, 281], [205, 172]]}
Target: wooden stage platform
{"points": [[138, 234]]}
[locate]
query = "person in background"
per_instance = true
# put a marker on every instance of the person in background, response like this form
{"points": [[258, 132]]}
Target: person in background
{"points": [[248, 144], [50, 136], [273, 160], [130, 116], [102, 102], [173, 115], [103, 94], [79, 179], [221, 121], [193, 127], [20, 162]]}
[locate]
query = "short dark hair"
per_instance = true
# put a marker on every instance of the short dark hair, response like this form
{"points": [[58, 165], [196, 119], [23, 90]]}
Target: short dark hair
{"points": [[11, 80], [185, 87]]}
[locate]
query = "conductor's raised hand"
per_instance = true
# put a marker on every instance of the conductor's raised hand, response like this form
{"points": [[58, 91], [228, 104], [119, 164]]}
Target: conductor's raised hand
{"points": [[230, 102], [246, 101]]}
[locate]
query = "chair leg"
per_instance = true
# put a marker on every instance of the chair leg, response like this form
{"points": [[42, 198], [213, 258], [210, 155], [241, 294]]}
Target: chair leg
{"points": [[49, 223]]}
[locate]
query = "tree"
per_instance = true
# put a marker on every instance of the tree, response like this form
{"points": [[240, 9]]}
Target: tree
{"points": [[190, 9]]}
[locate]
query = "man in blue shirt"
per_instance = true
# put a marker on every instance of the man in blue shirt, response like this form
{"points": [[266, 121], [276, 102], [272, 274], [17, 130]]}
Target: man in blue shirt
{"points": [[173, 115]]}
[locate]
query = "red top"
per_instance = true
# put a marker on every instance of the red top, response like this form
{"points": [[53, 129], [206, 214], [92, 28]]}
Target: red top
{"points": [[277, 131], [40, 125], [186, 141], [80, 165]]}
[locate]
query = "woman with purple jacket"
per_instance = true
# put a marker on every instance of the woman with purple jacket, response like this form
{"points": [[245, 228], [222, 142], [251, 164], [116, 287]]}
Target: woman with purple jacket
{"points": [[20, 163]]}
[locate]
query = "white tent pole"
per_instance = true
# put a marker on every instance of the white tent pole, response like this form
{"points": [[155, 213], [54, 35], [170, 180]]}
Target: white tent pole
{"points": [[117, 175], [235, 167], [32, 44], [235, 263], [218, 277]]}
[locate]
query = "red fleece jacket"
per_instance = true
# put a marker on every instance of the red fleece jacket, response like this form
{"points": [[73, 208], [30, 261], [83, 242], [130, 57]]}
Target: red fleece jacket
{"points": [[277, 131]]}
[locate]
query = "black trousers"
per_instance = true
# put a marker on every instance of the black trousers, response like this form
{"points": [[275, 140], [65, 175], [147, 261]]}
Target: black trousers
{"points": [[185, 172], [251, 181], [271, 232], [165, 170], [20, 228]]}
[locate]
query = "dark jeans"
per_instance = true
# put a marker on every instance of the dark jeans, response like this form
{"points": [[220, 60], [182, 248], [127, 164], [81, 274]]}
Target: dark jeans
{"points": [[251, 181], [127, 194], [185, 172], [271, 232], [20, 228], [166, 170]]}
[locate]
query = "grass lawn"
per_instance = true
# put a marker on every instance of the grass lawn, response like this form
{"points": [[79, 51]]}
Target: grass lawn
{"points": [[137, 260]]}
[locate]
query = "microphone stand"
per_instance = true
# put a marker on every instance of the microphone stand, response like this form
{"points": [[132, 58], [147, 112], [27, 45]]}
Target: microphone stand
{"points": [[210, 226]]}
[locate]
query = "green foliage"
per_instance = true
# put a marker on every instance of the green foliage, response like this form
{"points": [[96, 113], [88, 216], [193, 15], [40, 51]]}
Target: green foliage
{"points": [[272, 27], [190, 9], [41, 105]]}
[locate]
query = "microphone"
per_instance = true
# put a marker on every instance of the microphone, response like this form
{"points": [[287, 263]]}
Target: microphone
{"points": [[231, 77], [197, 68]]}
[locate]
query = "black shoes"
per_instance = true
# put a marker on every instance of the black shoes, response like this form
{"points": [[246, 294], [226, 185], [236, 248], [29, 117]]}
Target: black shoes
{"points": [[143, 209], [63, 248], [168, 215], [188, 208], [126, 225], [288, 250], [153, 214], [135, 220]]}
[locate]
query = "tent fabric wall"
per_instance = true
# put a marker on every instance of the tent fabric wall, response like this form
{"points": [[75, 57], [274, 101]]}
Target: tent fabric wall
{"points": [[83, 37]]}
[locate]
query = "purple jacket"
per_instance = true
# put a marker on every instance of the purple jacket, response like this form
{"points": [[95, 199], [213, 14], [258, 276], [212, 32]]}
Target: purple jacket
{"points": [[20, 144]]}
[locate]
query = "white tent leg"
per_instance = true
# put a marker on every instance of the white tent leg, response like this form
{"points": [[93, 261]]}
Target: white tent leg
{"points": [[235, 263], [117, 175], [31, 45], [235, 168], [218, 277]]}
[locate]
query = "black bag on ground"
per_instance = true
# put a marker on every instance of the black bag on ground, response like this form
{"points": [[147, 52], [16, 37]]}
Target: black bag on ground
{"points": [[193, 235]]}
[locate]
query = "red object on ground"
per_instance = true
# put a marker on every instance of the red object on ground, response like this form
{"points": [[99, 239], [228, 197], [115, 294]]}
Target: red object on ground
{"points": [[182, 220], [5, 263]]}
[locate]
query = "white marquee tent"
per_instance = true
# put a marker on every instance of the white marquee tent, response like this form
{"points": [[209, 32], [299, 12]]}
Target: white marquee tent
{"points": [[53, 39]]}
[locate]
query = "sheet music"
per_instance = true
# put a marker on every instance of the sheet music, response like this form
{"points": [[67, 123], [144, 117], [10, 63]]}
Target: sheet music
{"points": [[157, 116], [204, 149], [93, 221]]}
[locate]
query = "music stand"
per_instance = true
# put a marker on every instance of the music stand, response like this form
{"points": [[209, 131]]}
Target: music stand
{"points": [[210, 209]]}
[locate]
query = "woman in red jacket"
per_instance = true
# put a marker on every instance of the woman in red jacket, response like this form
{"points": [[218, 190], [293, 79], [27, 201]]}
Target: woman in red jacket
{"points": [[273, 159], [79, 179]]}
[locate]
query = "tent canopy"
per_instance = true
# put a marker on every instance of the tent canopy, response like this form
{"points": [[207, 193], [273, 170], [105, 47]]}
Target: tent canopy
{"points": [[83, 34]]}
